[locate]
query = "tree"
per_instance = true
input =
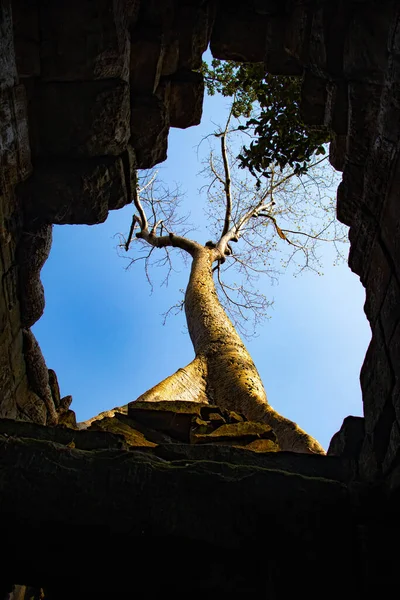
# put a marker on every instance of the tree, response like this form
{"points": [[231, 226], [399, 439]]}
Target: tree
{"points": [[252, 217], [281, 137]]}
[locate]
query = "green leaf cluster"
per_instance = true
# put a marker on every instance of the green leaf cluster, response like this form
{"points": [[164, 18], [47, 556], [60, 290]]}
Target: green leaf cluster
{"points": [[280, 135]]}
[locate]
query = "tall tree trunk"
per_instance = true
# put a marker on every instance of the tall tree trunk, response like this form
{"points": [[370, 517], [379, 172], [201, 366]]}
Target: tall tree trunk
{"points": [[223, 372]]}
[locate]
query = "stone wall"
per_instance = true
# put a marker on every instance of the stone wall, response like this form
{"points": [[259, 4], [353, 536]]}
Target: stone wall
{"points": [[349, 57], [15, 161], [212, 519], [100, 83]]}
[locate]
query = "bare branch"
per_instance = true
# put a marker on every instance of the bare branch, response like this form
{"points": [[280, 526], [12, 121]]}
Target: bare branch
{"points": [[278, 225], [217, 176], [176, 241], [135, 220], [156, 225], [316, 236], [227, 185], [175, 308], [227, 178], [142, 220], [149, 183]]}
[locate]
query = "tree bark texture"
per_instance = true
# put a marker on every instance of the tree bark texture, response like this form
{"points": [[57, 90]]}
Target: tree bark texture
{"points": [[223, 372]]}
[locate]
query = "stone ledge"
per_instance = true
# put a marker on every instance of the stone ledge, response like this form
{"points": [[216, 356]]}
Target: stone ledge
{"points": [[110, 433], [77, 504]]}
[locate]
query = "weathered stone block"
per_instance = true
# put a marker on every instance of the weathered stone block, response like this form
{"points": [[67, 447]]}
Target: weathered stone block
{"points": [[369, 467], [390, 312], [83, 40], [65, 403], [382, 433], [32, 301], [277, 59], [10, 278], [133, 438], [337, 151], [26, 37], [231, 39], [336, 108], [366, 47], [32, 253], [14, 140], [381, 177], [193, 24], [310, 465], [364, 102], [8, 407], [362, 235], [76, 191], [38, 374], [29, 406], [171, 57], [394, 355], [149, 128], [17, 362], [347, 442], [297, 32], [97, 125], [390, 220], [394, 349], [8, 69], [10, 320], [157, 13], [171, 417], [23, 152], [65, 487], [7, 398], [377, 381], [327, 35], [4, 324], [337, 18], [129, 165], [54, 388], [186, 99], [393, 452], [313, 99], [389, 107], [239, 434], [317, 47], [147, 54], [67, 419], [350, 195], [375, 277], [82, 440]]}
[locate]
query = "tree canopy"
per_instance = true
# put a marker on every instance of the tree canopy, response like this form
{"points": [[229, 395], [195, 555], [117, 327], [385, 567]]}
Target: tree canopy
{"points": [[258, 229], [271, 105]]}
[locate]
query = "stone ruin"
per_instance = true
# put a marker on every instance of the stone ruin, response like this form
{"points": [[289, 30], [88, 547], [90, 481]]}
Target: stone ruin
{"points": [[88, 92]]}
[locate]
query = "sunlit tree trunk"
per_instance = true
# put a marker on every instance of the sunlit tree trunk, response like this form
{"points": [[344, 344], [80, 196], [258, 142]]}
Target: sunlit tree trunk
{"points": [[223, 372]]}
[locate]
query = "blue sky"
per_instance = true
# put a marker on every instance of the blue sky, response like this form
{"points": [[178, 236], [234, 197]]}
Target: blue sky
{"points": [[102, 329]]}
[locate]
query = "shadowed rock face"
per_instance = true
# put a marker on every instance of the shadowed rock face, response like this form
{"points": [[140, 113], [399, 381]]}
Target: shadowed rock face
{"points": [[213, 517]]}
